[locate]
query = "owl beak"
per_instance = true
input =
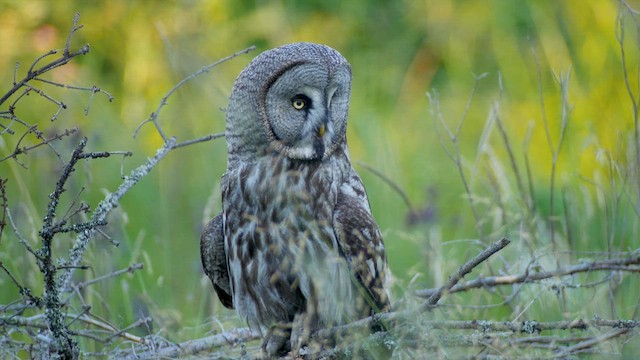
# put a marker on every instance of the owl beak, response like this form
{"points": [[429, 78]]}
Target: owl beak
{"points": [[321, 130]]}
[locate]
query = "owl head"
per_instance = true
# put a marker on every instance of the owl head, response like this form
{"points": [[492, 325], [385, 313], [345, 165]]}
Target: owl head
{"points": [[292, 100]]}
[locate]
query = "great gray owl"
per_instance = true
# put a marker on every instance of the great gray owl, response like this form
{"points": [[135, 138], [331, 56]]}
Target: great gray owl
{"points": [[296, 242]]}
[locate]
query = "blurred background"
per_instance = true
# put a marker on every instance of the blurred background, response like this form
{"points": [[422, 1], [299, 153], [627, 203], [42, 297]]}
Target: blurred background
{"points": [[534, 68]]}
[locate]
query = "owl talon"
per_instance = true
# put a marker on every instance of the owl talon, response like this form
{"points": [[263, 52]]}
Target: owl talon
{"points": [[276, 341]]}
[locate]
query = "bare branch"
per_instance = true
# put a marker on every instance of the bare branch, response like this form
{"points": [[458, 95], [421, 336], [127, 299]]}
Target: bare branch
{"points": [[94, 89], [154, 115], [36, 322], [33, 73], [464, 269], [104, 208], [454, 137], [199, 140], [193, 347], [629, 264], [24, 291], [21, 238], [23, 150], [589, 343], [391, 184], [3, 206], [130, 269]]}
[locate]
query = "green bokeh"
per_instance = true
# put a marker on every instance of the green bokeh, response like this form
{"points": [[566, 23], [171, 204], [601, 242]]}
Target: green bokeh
{"points": [[399, 50]]}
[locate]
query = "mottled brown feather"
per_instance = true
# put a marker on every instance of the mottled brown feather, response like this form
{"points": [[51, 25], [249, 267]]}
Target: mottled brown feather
{"points": [[361, 245]]}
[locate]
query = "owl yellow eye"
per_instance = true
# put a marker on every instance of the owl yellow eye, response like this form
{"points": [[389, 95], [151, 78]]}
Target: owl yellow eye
{"points": [[298, 104]]}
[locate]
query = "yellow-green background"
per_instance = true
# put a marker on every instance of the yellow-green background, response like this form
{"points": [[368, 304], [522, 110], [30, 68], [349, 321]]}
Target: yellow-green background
{"points": [[399, 50]]}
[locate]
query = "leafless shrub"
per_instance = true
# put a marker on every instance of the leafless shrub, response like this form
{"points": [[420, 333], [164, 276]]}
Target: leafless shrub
{"points": [[56, 325]]}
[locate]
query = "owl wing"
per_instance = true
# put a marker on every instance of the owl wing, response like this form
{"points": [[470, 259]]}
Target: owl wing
{"points": [[360, 243], [214, 260]]}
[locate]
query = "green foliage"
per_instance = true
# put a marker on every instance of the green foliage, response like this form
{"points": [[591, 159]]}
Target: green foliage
{"points": [[399, 50]]}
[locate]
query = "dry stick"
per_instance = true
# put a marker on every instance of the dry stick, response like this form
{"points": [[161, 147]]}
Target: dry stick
{"points": [[23, 290], [7, 128], [60, 104], [632, 97], [192, 347], [391, 184], [531, 327], [429, 304], [23, 150], [35, 322], [33, 75], [104, 208], [123, 333], [512, 159], [130, 269], [563, 81], [111, 200], [3, 206], [66, 346], [81, 285], [454, 138], [65, 58], [620, 264], [589, 343], [199, 140], [154, 115], [240, 335], [464, 270], [21, 239], [93, 89]]}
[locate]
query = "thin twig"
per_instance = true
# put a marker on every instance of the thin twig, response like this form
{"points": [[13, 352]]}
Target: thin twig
{"points": [[589, 343], [23, 150], [21, 239], [111, 200], [48, 67], [193, 347], [24, 291], [94, 89], [456, 156], [36, 322], [464, 269], [3, 206], [104, 208], [389, 182], [629, 264], [199, 140], [154, 115], [122, 332], [130, 269], [633, 98]]}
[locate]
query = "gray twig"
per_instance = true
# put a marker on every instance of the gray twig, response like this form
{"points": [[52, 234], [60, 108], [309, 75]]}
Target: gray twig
{"points": [[464, 270], [629, 264], [154, 115]]}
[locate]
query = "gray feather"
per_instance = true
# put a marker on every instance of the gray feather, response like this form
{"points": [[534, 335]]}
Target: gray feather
{"points": [[214, 259], [297, 233]]}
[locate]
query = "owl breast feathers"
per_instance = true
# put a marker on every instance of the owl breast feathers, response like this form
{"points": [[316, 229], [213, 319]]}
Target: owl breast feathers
{"points": [[296, 238]]}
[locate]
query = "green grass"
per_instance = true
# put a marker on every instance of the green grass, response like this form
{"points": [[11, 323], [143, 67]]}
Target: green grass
{"points": [[399, 51]]}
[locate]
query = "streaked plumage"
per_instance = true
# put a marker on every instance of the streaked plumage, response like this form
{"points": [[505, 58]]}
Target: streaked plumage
{"points": [[296, 232]]}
